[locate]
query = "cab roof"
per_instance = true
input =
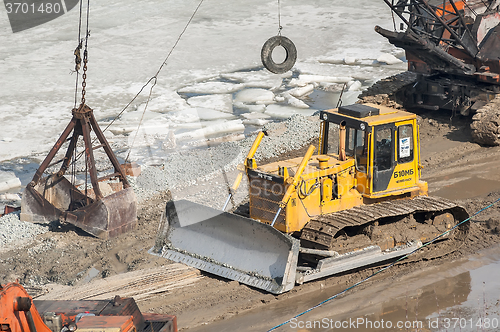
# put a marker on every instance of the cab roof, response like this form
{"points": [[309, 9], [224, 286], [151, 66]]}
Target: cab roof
{"points": [[365, 116]]}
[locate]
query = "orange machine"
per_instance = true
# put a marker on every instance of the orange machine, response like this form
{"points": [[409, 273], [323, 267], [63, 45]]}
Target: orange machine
{"points": [[18, 313], [452, 46]]}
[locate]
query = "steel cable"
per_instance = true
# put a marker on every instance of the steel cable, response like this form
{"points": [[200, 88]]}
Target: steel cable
{"points": [[279, 18], [153, 78]]}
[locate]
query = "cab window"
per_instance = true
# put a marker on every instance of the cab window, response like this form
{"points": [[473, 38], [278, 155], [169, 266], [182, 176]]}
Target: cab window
{"points": [[350, 141], [383, 148], [333, 138], [357, 146], [405, 143]]}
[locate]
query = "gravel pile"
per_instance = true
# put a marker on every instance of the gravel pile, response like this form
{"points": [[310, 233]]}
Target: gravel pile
{"points": [[184, 168], [12, 229], [188, 167], [300, 131]]}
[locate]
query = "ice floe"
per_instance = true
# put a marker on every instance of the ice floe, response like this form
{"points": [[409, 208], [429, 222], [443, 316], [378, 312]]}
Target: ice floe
{"points": [[212, 131], [253, 76], [305, 79], [256, 119], [196, 114], [349, 60], [250, 107], [10, 197], [389, 59], [292, 101], [218, 102], [332, 87], [211, 87], [165, 101], [354, 85], [301, 91], [256, 122], [259, 96], [8, 180], [136, 116], [257, 79], [255, 115]]}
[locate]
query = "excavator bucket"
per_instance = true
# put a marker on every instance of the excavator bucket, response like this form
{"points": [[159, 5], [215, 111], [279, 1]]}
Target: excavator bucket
{"points": [[228, 245], [51, 199]]}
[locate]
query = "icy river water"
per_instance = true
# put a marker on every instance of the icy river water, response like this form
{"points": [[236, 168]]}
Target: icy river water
{"points": [[213, 84]]}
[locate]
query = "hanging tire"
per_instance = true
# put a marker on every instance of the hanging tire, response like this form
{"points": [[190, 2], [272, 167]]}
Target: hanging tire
{"points": [[266, 54]]}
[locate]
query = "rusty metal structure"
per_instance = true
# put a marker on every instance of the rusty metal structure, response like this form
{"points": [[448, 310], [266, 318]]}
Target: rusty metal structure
{"points": [[453, 46], [20, 313], [54, 198]]}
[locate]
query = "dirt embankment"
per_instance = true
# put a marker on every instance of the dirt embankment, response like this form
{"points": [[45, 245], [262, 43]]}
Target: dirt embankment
{"points": [[67, 256]]}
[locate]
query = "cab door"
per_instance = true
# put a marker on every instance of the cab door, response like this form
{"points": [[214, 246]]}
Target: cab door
{"points": [[406, 171], [384, 161]]}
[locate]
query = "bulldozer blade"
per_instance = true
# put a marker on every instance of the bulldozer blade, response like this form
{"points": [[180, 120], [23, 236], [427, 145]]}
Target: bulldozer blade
{"points": [[105, 218], [228, 245]]}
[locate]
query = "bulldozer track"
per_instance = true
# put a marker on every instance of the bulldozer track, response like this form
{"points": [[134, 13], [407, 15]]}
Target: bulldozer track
{"points": [[485, 127], [321, 231]]}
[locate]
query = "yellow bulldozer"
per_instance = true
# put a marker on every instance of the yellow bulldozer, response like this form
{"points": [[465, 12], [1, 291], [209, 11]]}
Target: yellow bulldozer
{"points": [[358, 202]]}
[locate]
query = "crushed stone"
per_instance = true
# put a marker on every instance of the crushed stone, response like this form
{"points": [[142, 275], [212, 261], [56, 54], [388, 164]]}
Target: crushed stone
{"points": [[13, 230], [190, 166], [187, 167]]}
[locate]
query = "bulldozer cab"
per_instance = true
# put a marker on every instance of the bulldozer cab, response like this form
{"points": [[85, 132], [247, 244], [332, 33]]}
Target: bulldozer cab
{"points": [[382, 141]]}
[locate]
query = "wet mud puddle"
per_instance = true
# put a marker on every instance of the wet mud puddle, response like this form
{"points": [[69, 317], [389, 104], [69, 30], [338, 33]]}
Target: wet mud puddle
{"points": [[468, 180], [458, 296]]}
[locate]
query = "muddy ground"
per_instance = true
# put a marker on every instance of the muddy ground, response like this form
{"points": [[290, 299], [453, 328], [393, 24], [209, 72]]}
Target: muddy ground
{"points": [[454, 168]]}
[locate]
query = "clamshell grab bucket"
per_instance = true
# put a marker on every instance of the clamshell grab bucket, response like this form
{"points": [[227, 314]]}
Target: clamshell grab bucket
{"points": [[106, 210], [228, 245], [104, 218]]}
